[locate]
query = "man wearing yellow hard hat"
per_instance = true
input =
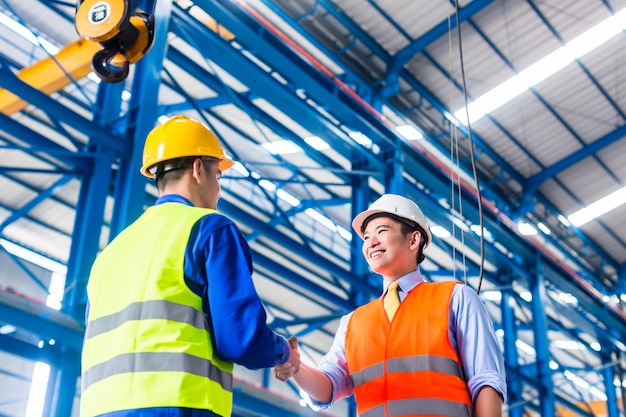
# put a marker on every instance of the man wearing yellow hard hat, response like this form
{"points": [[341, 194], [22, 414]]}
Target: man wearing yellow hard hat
{"points": [[171, 302], [421, 348]]}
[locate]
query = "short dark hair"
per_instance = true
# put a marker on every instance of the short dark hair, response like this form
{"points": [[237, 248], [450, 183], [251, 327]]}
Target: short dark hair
{"points": [[171, 171]]}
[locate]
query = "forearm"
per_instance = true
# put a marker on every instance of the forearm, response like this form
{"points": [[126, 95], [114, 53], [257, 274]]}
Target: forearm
{"points": [[314, 382], [488, 403]]}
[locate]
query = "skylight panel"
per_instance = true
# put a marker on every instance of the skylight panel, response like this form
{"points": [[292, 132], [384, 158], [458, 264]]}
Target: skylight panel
{"points": [[542, 69], [598, 208]]}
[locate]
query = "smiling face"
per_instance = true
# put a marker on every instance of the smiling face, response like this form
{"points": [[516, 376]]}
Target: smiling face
{"points": [[387, 250]]}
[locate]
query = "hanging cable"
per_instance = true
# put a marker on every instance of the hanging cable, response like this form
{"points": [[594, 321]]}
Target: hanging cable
{"points": [[472, 152]]}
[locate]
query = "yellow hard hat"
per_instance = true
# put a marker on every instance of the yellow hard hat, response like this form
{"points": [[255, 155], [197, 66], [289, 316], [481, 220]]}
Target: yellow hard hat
{"points": [[399, 207], [180, 137]]}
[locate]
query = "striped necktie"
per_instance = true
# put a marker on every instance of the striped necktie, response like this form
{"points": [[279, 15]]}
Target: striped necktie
{"points": [[392, 300]]}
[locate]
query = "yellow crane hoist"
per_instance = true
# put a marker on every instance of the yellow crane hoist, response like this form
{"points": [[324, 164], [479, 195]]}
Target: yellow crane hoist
{"points": [[125, 36]]}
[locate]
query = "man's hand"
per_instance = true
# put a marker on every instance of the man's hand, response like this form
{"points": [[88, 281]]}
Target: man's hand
{"points": [[286, 370]]}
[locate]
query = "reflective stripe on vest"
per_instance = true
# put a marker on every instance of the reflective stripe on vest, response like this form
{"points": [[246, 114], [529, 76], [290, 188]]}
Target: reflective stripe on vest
{"points": [[157, 362], [153, 309], [147, 342], [425, 406], [408, 367], [407, 364]]}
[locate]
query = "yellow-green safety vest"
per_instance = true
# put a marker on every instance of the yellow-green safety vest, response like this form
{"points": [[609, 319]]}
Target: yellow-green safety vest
{"points": [[147, 342]]}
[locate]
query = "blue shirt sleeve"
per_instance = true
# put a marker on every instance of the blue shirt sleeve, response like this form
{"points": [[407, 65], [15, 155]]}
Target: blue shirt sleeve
{"points": [[473, 336], [218, 267]]}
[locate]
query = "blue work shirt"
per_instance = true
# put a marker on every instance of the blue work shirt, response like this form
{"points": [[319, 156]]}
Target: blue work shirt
{"points": [[218, 268], [471, 333]]}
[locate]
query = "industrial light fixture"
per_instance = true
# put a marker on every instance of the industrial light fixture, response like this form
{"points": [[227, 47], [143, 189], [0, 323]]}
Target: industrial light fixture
{"points": [[542, 69], [281, 147], [526, 229], [317, 143], [440, 231], [598, 208], [543, 228], [284, 147], [409, 132]]}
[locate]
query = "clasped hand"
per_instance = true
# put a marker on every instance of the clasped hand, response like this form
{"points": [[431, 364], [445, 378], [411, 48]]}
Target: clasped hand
{"points": [[286, 370]]}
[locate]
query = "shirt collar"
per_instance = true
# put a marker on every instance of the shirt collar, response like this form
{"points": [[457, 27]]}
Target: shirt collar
{"points": [[407, 282], [172, 198]]}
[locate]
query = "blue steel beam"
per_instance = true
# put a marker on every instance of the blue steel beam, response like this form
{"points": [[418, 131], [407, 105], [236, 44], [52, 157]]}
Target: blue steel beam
{"points": [[10, 82], [42, 144], [323, 89], [66, 371], [534, 182], [526, 202], [608, 373], [264, 85], [36, 190], [47, 323], [295, 247], [510, 351], [527, 196], [402, 57], [616, 107], [29, 205], [300, 282], [591, 299], [351, 77], [525, 252], [503, 205], [542, 344], [407, 76], [204, 76], [513, 172], [23, 349], [94, 189], [441, 108]]}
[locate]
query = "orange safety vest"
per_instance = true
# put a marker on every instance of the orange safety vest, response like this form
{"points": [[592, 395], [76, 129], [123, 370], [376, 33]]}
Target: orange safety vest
{"points": [[407, 367]]}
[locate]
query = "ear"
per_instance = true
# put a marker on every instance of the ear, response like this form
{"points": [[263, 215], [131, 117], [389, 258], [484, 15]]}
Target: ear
{"points": [[197, 170], [416, 239]]}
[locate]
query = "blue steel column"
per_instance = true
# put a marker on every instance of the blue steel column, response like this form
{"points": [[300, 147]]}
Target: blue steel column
{"points": [[66, 375], [85, 245], [540, 332], [394, 182], [91, 204], [511, 360], [86, 234], [51, 391], [130, 188], [360, 200], [608, 373]]}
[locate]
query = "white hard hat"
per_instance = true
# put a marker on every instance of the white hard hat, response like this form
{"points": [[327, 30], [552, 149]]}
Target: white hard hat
{"points": [[398, 206]]}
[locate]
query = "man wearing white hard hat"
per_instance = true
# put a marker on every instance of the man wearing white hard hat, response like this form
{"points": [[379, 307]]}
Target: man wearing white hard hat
{"points": [[421, 348]]}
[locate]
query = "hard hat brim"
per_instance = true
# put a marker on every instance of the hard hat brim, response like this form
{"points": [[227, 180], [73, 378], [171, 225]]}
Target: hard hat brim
{"points": [[357, 223], [361, 218]]}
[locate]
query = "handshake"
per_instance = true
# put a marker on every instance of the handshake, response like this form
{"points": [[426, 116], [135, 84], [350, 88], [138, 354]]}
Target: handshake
{"points": [[286, 370]]}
